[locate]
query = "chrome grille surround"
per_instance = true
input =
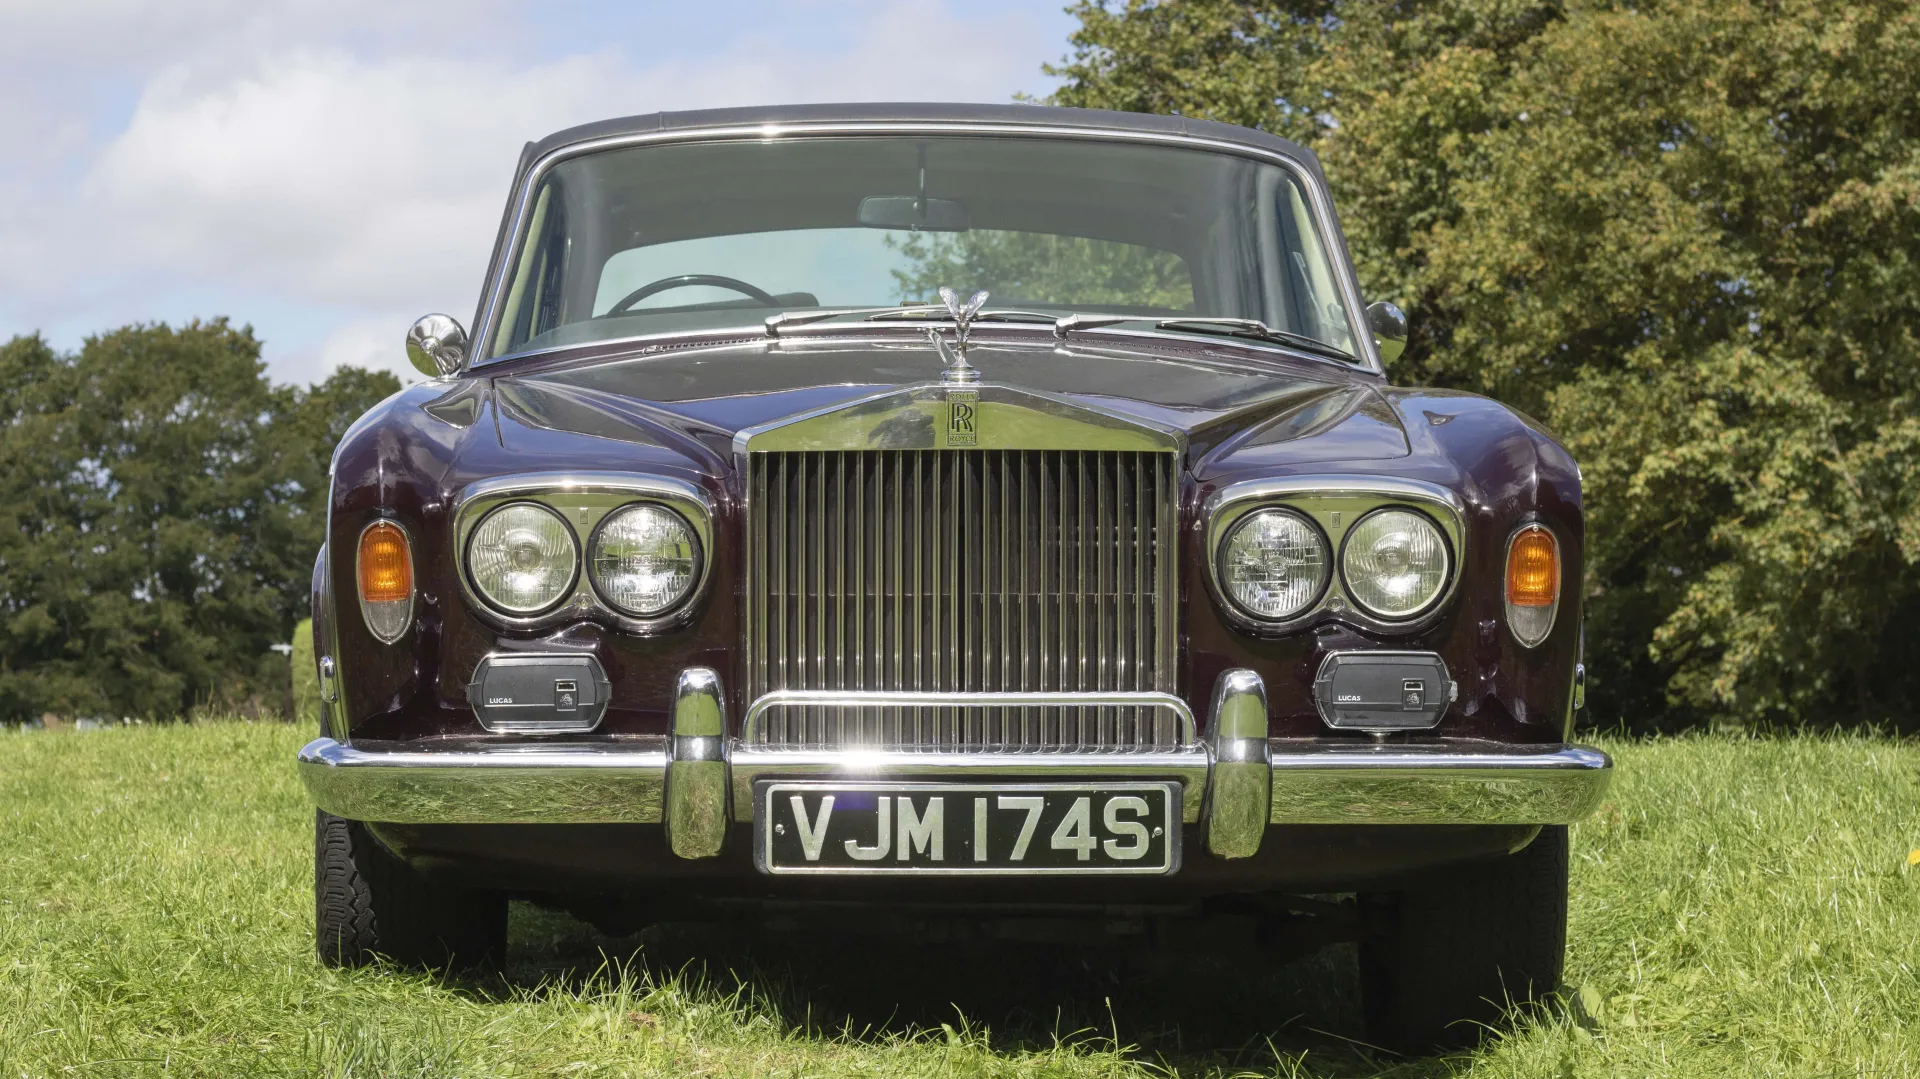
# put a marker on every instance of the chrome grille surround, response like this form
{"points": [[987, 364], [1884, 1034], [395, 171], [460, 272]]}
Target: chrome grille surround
{"points": [[990, 597]]}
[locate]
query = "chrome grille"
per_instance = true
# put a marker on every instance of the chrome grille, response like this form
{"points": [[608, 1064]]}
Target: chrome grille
{"points": [[962, 571]]}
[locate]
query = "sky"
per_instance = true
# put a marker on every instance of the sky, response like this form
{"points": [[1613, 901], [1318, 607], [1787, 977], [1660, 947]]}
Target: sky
{"points": [[328, 170]]}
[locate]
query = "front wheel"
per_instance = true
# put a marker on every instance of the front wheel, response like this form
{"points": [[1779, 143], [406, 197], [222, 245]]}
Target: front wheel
{"points": [[367, 904], [1444, 961]]}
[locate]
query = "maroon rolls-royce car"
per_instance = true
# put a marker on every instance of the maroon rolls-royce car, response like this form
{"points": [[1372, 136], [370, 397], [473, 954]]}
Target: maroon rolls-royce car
{"points": [[997, 509]]}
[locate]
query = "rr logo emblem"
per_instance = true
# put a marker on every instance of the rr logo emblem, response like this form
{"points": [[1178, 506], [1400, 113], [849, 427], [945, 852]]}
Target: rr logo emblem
{"points": [[963, 412]]}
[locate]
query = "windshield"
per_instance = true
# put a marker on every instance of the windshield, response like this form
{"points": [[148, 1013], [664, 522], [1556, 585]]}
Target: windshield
{"points": [[666, 238]]}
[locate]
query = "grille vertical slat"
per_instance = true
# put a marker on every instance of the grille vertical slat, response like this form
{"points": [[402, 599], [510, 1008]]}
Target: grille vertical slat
{"points": [[1013, 665], [962, 571], [1069, 607], [897, 638], [937, 525], [1024, 647], [1141, 588]]}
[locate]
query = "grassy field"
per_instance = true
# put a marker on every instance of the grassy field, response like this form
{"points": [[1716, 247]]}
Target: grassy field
{"points": [[1739, 908]]}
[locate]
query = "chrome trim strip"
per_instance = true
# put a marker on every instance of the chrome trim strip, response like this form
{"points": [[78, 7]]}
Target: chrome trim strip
{"points": [[332, 695], [751, 733], [911, 418], [493, 784], [1188, 766], [1341, 784], [696, 811], [583, 499], [1334, 503], [1330, 236], [1313, 782], [1242, 783]]}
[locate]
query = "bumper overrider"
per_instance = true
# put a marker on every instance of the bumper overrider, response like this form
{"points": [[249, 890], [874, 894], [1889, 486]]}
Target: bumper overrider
{"points": [[698, 781]]}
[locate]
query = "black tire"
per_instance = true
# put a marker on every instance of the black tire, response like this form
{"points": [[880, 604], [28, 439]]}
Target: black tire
{"points": [[1443, 962], [368, 905]]}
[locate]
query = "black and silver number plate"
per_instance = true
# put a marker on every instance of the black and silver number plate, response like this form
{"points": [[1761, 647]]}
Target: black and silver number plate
{"points": [[829, 826]]}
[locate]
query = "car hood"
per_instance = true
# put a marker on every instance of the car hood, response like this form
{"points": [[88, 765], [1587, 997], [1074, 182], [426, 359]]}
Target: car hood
{"points": [[1225, 402]]}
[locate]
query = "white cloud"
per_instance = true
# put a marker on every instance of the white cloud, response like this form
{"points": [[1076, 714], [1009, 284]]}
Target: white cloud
{"points": [[75, 36], [338, 180], [367, 183], [373, 342]]}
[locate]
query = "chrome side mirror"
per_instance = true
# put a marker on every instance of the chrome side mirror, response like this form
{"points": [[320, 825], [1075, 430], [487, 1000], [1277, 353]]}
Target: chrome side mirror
{"points": [[1389, 326], [437, 346]]}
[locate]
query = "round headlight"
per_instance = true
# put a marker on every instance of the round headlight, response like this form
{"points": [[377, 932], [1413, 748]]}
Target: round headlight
{"points": [[1394, 563], [522, 558], [644, 560], [1273, 565]]}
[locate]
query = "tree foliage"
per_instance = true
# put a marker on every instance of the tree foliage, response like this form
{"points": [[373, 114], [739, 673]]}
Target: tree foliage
{"points": [[160, 507], [1685, 233], [1044, 269]]}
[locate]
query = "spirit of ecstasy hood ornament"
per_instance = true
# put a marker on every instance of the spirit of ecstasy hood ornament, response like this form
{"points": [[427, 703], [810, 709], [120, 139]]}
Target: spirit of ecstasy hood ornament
{"points": [[954, 356]]}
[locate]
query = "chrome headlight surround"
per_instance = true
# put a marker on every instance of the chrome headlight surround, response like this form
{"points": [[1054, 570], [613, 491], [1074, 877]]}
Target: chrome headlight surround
{"points": [[583, 500], [1335, 503]]}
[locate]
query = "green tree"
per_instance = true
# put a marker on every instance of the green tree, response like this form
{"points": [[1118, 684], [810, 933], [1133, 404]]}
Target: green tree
{"points": [[160, 506], [1044, 269], [1687, 235]]}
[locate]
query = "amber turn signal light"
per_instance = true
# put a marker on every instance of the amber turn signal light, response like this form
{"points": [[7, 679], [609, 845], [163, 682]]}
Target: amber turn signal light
{"points": [[1533, 583], [1533, 569], [386, 566], [386, 580]]}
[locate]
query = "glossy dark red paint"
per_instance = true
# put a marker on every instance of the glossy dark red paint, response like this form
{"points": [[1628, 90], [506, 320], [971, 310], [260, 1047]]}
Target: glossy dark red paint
{"points": [[673, 409]]}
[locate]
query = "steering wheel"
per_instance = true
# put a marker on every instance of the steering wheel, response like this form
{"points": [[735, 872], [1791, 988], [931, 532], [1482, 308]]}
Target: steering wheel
{"points": [[689, 280]]}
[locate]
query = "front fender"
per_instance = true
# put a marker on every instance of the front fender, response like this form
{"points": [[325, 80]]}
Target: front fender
{"points": [[1508, 471]]}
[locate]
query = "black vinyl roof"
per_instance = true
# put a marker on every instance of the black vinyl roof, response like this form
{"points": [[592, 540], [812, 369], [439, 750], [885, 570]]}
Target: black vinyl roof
{"points": [[1037, 115]]}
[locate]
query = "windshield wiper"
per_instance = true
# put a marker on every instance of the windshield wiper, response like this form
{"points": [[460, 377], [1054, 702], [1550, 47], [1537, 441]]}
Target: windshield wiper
{"points": [[802, 318], [775, 323], [1014, 316], [1062, 326], [1259, 331], [1061, 323]]}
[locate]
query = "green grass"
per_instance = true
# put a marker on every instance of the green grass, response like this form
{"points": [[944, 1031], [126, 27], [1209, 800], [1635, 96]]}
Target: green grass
{"points": [[1740, 908]]}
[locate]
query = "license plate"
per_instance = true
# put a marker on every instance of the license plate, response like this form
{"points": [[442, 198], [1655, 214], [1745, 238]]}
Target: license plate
{"points": [[1040, 829]]}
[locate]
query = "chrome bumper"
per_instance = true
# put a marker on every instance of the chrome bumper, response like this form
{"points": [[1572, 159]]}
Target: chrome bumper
{"points": [[696, 781]]}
